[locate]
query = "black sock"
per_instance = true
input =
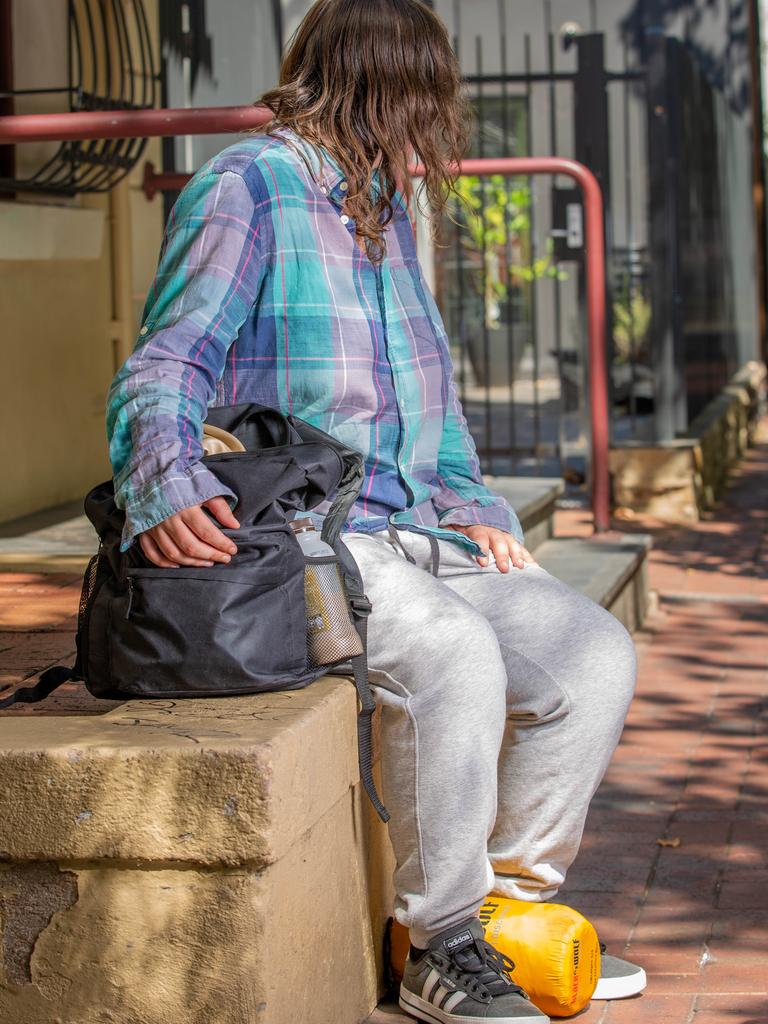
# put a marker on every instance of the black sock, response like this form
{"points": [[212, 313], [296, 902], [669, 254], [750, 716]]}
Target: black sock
{"points": [[416, 952]]}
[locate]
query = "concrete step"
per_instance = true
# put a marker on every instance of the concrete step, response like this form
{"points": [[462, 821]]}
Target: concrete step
{"points": [[58, 539], [611, 569], [62, 540]]}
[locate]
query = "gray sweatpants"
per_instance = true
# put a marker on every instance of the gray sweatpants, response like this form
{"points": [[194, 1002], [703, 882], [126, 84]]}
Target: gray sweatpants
{"points": [[503, 697]]}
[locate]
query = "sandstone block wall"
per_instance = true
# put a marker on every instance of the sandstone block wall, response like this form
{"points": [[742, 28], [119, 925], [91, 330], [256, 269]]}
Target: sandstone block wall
{"points": [[187, 862]]}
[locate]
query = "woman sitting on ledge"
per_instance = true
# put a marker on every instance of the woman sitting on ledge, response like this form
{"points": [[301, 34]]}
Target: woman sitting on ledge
{"points": [[288, 276]]}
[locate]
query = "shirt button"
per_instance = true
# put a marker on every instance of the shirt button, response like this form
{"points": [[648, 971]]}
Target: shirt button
{"points": [[344, 218], [144, 330], [344, 186], [324, 190]]}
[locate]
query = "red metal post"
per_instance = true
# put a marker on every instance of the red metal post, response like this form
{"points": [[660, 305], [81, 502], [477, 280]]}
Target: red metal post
{"points": [[145, 123], [595, 263]]}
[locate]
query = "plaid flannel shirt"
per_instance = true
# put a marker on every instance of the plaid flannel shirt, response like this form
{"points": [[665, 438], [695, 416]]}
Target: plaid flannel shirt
{"points": [[262, 294]]}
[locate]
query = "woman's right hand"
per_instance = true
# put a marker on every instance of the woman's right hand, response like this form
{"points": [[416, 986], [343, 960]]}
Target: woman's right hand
{"points": [[190, 537]]}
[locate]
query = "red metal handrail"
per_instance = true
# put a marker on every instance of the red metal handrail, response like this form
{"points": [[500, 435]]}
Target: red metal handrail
{"points": [[594, 254], [125, 124], [130, 124]]}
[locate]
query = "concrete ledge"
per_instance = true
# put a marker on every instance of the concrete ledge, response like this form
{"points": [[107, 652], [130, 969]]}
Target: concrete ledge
{"points": [[678, 480], [58, 539], [169, 861], [661, 480], [611, 569], [223, 782], [87, 943]]}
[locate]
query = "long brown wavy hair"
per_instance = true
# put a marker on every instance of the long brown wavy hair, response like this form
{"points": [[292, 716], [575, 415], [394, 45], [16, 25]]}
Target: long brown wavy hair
{"points": [[376, 82]]}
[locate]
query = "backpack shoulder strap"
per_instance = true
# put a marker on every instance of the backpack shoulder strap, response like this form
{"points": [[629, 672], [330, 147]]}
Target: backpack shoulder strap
{"points": [[360, 607], [49, 681]]}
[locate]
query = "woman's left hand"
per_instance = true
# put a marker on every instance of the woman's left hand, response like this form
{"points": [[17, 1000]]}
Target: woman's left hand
{"points": [[503, 545]]}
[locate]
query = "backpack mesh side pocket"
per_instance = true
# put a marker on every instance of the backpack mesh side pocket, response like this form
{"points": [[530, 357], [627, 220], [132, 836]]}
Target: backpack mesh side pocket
{"points": [[331, 634]]}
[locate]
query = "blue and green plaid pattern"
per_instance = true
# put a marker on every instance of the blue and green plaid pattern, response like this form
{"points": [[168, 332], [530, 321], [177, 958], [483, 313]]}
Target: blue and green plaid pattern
{"points": [[262, 295]]}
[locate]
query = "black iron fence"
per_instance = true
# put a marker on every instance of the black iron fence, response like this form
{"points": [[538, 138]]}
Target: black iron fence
{"points": [[673, 159]]}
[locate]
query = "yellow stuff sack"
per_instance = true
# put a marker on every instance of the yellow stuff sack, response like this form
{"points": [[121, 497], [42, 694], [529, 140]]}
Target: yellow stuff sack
{"points": [[555, 950]]}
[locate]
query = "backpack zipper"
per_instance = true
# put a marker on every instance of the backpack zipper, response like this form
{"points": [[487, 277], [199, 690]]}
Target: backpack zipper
{"points": [[129, 580]]}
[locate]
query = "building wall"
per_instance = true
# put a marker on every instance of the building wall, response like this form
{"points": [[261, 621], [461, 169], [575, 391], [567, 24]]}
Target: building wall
{"points": [[54, 360], [66, 317], [245, 59], [716, 30]]}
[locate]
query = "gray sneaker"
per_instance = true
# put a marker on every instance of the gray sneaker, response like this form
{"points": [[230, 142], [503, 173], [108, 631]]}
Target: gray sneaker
{"points": [[618, 978], [462, 979]]}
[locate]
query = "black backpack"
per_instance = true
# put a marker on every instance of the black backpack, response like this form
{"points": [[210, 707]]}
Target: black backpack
{"points": [[145, 631]]}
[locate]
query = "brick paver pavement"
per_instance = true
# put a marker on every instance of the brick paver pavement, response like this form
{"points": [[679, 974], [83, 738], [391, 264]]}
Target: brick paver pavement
{"points": [[38, 614], [692, 767]]}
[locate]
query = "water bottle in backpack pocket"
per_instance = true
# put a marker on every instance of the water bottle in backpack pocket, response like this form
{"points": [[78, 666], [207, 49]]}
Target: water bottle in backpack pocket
{"points": [[331, 635]]}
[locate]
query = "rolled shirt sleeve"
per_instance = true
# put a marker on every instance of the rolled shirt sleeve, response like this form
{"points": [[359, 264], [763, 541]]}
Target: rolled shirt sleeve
{"points": [[207, 280]]}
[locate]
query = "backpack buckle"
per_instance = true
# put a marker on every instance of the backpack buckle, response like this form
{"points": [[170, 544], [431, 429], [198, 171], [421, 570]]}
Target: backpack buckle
{"points": [[361, 605]]}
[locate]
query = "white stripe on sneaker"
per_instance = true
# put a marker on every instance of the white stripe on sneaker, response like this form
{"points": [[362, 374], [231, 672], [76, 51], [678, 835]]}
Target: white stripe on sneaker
{"points": [[454, 1000], [440, 995], [433, 980]]}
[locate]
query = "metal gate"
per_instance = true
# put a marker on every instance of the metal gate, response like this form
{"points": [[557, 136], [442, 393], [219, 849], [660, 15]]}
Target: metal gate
{"points": [[509, 272]]}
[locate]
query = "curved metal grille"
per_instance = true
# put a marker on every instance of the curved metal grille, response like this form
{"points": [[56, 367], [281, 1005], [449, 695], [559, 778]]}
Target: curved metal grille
{"points": [[111, 67]]}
